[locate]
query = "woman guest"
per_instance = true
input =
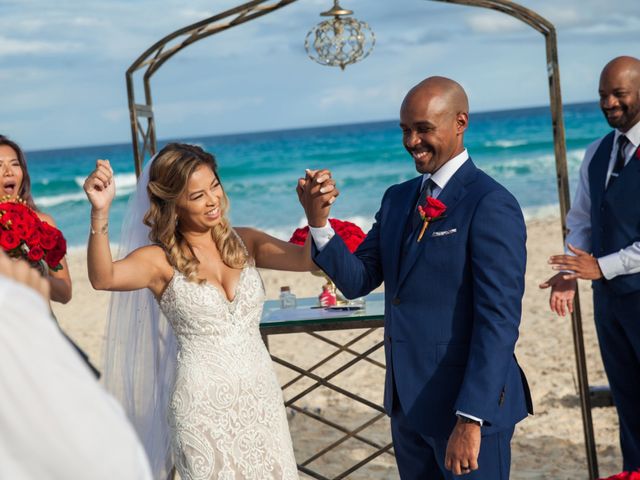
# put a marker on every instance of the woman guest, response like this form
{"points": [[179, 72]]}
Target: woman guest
{"points": [[226, 413], [15, 183]]}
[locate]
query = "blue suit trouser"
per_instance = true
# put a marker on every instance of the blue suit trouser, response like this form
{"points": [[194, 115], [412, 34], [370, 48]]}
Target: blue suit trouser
{"points": [[420, 457], [617, 319]]}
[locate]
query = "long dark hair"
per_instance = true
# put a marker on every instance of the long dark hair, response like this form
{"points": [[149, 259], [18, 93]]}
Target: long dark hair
{"points": [[25, 187]]}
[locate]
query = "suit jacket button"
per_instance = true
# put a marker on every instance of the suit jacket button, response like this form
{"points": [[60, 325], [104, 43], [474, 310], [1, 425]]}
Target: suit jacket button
{"points": [[396, 301]]}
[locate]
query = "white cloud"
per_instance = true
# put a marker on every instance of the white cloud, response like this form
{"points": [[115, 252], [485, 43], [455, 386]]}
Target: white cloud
{"points": [[115, 115], [490, 23], [350, 96], [194, 15], [180, 111], [10, 46]]}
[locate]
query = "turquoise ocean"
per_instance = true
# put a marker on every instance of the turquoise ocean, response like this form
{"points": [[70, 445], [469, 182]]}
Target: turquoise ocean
{"points": [[259, 170]]}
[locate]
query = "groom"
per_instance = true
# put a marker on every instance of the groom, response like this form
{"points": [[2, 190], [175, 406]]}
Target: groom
{"points": [[453, 388]]}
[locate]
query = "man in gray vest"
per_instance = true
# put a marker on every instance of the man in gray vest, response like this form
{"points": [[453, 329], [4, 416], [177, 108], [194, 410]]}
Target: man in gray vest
{"points": [[604, 245]]}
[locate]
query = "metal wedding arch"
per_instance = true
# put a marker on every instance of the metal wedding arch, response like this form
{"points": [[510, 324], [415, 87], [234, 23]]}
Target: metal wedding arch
{"points": [[143, 128]]}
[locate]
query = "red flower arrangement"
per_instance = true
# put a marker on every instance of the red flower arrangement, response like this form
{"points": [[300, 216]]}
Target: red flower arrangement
{"points": [[23, 234], [433, 210], [349, 232], [624, 476]]}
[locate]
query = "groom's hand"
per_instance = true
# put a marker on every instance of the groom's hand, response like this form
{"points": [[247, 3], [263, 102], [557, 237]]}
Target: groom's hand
{"points": [[317, 192], [463, 448]]}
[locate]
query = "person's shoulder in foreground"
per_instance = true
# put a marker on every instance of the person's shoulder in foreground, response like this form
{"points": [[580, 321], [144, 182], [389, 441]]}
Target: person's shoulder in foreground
{"points": [[57, 421]]}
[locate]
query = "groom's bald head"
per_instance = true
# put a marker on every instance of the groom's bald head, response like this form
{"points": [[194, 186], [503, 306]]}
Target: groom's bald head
{"points": [[433, 117]]}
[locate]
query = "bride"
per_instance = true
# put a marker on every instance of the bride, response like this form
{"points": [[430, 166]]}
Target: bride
{"points": [[209, 377]]}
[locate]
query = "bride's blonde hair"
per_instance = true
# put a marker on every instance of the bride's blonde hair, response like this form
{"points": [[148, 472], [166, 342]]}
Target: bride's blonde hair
{"points": [[168, 177]]}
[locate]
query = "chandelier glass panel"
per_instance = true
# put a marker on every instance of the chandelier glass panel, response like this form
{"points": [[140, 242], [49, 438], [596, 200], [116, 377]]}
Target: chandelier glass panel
{"points": [[340, 41]]}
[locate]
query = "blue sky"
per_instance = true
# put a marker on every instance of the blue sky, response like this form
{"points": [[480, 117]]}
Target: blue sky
{"points": [[62, 64]]}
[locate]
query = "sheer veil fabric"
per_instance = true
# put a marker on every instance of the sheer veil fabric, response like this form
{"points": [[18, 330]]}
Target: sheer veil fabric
{"points": [[140, 349]]}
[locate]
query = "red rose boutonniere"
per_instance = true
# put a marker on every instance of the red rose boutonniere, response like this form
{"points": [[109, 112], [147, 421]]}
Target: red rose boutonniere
{"points": [[432, 210]]}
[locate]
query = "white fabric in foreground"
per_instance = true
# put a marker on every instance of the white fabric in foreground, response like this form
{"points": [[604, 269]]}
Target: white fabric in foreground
{"points": [[56, 421], [140, 348]]}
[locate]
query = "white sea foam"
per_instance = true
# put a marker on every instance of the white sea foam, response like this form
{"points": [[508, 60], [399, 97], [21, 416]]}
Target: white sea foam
{"points": [[125, 184], [506, 143], [124, 181], [58, 199], [543, 211]]}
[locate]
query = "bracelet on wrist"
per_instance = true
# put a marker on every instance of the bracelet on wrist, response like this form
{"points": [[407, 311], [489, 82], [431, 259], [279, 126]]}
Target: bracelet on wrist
{"points": [[104, 229]]}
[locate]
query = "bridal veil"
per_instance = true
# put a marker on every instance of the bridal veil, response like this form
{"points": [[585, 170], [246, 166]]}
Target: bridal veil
{"points": [[140, 347]]}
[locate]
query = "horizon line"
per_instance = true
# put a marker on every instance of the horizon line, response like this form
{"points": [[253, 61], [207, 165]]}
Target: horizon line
{"points": [[295, 129]]}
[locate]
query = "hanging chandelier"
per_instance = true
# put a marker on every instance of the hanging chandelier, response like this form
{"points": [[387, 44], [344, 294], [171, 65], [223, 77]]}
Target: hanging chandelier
{"points": [[341, 41]]}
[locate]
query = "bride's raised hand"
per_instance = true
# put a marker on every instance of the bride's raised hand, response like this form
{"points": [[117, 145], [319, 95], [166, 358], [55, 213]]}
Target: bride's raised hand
{"points": [[100, 186]]}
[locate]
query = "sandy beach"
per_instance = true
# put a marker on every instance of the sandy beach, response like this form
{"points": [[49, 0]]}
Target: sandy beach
{"points": [[548, 445]]}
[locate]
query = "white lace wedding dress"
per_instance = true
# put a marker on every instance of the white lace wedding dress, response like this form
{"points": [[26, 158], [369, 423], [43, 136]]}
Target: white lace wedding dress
{"points": [[226, 413]]}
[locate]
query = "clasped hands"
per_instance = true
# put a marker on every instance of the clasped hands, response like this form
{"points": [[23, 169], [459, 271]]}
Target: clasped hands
{"points": [[581, 265], [316, 192]]}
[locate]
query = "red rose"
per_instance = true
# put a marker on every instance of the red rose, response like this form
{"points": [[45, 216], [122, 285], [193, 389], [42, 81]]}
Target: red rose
{"points": [[351, 234], [299, 236], [35, 254], [55, 255], [624, 476], [48, 236], [22, 219], [8, 240], [34, 239], [433, 208]]}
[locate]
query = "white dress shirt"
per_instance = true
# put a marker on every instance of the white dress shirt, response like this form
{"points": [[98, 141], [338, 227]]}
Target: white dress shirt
{"points": [[627, 260], [56, 421], [322, 235]]}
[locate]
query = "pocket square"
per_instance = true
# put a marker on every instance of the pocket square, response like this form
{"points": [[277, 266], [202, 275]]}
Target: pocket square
{"points": [[443, 233]]}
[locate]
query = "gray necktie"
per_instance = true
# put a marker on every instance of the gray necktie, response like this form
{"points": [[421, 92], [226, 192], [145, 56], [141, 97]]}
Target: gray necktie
{"points": [[623, 141], [426, 191]]}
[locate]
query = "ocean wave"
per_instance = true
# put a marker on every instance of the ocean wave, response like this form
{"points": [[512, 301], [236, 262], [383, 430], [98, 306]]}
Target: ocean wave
{"points": [[124, 181], [80, 196], [59, 199], [551, 210], [506, 143]]}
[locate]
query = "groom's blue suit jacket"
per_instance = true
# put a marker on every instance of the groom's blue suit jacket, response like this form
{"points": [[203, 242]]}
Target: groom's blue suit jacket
{"points": [[452, 302]]}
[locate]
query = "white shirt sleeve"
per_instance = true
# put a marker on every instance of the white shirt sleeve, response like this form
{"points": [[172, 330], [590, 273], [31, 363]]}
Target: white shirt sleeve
{"points": [[462, 414], [579, 215], [56, 421], [322, 235], [623, 262]]}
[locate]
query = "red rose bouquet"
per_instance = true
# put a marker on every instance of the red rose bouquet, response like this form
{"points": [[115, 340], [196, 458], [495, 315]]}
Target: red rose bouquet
{"points": [[23, 234], [351, 234], [625, 476]]}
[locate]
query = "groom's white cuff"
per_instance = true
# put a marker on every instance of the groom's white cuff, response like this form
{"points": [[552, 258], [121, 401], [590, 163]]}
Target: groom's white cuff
{"points": [[470, 416], [322, 235]]}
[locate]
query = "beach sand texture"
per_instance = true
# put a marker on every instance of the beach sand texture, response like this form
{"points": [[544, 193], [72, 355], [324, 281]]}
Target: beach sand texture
{"points": [[548, 445]]}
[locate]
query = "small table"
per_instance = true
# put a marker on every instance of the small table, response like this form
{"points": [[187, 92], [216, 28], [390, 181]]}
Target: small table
{"points": [[310, 320]]}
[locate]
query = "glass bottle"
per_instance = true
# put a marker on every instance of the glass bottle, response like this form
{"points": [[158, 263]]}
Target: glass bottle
{"points": [[287, 299]]}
